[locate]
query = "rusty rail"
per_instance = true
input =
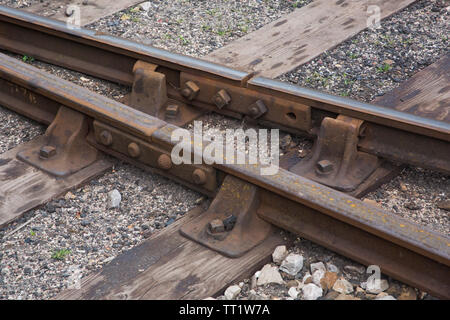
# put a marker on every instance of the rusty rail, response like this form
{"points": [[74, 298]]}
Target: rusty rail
{"points": [[241, 94], [406, 251]]}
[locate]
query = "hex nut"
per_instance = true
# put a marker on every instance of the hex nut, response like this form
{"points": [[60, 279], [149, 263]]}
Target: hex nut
{"points": [[221, 99], [253, 111], [229, 222], [190, 90], [47, 152], [172, 111], [164, 162], [105, 138], [257, 109], [133, 150], [216, 226], [325, 166], [199, 176]]}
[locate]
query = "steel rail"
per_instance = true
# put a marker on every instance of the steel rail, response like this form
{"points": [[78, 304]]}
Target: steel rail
{"points": [[112, 58], [409, 252]]}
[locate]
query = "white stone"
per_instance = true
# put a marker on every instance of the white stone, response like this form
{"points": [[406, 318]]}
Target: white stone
{"points": [[145, 6], [355, 269], [279, 254], [386, 298], [268, 275], [332, 268], [254, 280], [381, 295], [311, 292], [305, 277], [293, 293], [232, 292], [69, 195], [343, 286], [317, 276], [375, 286], [114, 199], [317, 266], [292, 264]]}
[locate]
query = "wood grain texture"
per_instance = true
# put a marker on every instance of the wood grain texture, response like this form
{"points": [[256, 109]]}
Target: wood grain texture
{"points": [[93, 11], [300, 36], [426, 94], [169, 266], [22, 187]]}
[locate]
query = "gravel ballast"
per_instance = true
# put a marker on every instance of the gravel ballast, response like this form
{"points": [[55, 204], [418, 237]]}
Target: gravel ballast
{"points": [[194, 27], [79, 229]]}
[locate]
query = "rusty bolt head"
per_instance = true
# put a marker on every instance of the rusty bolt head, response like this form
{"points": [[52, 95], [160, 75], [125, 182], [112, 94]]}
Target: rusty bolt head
{"points": [[253, 111], [172, 111], [47, 152], [216, 226], [199, 176], [257, 109], [324, 166], [69, 11], [105, 138], [190, 90], [229, 222], [221, 99], [134, 150], [164, 162]]}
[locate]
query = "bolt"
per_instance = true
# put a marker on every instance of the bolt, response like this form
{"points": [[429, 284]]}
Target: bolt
{"points": [[253, 112], [47, 152], [229, 222], [69, 11], [216, 226], [106, 138], [324, 166], [190, 91], [257, 109], [172, 111], [186, 92], [134, 150], [164, 162], [199, 176], [221, 99]]}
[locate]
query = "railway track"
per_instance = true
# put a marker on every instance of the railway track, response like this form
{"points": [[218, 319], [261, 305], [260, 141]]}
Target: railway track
{"points": [[298, 198]]}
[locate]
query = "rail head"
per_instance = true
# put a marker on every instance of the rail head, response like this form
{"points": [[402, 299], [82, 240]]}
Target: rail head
{"points": [[78, 98], [360, 110]]}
